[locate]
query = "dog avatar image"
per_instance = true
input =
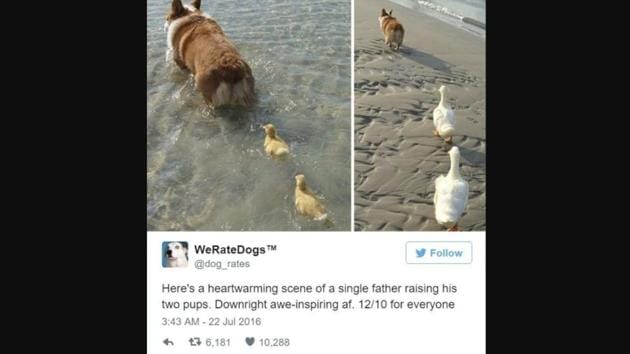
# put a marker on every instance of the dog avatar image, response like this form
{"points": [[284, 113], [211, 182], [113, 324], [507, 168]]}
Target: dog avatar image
{"points": [[176, 255]]}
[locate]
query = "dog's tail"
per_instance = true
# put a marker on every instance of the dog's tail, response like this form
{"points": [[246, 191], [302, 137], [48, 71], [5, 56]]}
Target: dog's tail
{"points": [[230, 83], [231, 68]]}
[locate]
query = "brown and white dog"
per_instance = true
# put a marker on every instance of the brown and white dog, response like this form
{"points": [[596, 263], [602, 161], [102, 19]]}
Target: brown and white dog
{"points": [[176, 255], [197, 43], [392, 29]]}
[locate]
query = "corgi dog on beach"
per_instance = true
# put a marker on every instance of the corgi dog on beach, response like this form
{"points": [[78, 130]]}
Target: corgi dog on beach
{"points": [[392, 29]]}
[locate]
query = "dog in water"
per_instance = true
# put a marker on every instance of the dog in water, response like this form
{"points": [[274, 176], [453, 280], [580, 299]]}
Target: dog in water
{"points": [[197, 43], [176, 255], [392, 29]]}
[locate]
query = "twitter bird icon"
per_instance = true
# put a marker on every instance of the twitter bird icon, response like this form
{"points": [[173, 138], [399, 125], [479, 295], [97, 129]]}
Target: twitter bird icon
{"points": [[420, 252]]}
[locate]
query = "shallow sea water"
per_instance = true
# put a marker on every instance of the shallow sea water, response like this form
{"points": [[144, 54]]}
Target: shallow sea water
{"points": [[206, 170]]}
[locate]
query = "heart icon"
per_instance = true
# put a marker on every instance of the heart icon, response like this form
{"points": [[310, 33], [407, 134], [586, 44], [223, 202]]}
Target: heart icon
{"points": [[249, 340]]}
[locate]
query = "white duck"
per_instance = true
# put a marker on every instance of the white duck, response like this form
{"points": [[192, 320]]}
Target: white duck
{"points": [[451, 194], [444, 118]]}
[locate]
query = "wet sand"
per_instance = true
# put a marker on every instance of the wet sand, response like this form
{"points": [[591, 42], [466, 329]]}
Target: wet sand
{"points": [[397, 159]]}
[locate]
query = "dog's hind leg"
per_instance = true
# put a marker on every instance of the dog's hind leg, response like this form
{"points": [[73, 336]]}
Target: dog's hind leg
{"points": [[208, 110], [181, 64], [179, 92]]}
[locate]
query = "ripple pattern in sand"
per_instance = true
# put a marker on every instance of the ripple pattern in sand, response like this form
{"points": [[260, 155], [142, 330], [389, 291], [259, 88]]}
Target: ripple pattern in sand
{"points": [[397, 159]]}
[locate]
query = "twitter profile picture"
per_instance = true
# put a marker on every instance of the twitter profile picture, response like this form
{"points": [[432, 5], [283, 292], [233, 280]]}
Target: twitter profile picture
{"points": [[175, 254]]}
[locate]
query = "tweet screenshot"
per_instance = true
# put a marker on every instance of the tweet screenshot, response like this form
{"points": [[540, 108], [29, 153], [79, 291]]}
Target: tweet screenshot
{"points": [[316, 176], [316, 292]]}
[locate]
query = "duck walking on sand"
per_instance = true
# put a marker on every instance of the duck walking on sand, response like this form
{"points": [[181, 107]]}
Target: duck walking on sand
{"points": [[307, 204], [451, 194], [274, 145], [444, 118]]}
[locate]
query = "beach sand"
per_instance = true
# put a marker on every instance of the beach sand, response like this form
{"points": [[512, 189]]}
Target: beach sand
{"points": [[397, 159]]}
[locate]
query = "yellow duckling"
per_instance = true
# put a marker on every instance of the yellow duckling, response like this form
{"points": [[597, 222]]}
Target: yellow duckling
{"points": [[274, 145], [307, 203]]}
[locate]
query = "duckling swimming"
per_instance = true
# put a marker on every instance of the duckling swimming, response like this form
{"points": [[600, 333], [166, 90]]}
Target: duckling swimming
{"points": [[307, 203], [274, 145]]}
